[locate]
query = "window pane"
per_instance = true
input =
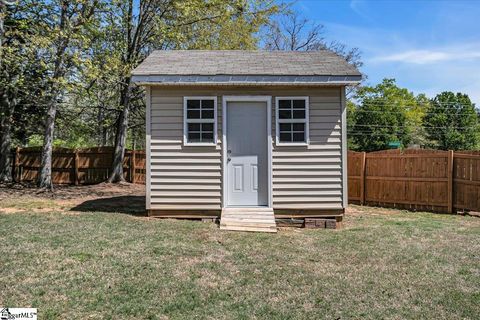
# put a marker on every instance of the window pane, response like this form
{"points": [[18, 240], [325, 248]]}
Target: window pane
{"points": [[207, 114], [194, 127], [285, 127], [194, 137], [298, 104], [207, 136], [299, 137], [285, 137], [284, 104], [299, 127], [207, 127], [193, 114], [285, 114], [193, 104], [298, 114], [207, 104]]}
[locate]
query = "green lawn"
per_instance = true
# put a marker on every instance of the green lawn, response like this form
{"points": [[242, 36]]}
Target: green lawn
{"points": [[383, 264]]}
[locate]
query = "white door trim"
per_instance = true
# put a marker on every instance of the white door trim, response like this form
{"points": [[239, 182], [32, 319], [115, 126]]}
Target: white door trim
{"points": [[225, 100]]}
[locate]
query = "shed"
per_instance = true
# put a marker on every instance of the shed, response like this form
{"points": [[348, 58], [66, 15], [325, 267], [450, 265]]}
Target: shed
{"points": [[248, 136]]}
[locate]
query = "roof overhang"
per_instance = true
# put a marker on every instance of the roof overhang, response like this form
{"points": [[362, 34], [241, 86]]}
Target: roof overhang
{"points": [[245, 80]]}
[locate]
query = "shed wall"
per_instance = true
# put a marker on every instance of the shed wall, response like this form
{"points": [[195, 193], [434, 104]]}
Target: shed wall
{"points": [[190, 178]]}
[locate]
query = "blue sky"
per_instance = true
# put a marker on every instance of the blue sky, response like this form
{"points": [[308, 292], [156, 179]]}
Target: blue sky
{"points": [[428, 46]]}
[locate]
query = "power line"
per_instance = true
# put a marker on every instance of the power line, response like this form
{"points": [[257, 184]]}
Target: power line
{"points": [[399, 112], [376, 134], [402, 126], [420, 103]]}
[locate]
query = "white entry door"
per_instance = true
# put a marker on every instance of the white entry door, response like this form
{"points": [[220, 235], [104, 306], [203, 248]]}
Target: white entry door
{"points": [[247, 166]]}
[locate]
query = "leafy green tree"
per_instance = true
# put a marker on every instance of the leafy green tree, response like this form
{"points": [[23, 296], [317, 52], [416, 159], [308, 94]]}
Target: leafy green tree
{"points": [[65, 29], [133, 29], [351, 109], [7, 96], [452, 122], [385, 113], [22, 81], [41, 51]]}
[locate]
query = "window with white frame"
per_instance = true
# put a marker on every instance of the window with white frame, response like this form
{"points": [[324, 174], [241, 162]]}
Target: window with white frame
{"points": [[292, 120], [200, 120]]}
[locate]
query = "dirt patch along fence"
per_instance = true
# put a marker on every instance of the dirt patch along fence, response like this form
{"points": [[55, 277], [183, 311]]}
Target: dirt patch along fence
{"points": [[432, 180], [78, 166]]}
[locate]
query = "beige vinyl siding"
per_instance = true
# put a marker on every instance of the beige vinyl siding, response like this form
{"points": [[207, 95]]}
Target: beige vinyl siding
{"points": [[182, 177], [311, 177], [189, 177]]}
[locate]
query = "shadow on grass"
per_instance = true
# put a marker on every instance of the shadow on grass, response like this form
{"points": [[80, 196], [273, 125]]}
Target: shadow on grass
{"points": [[133, 205]]}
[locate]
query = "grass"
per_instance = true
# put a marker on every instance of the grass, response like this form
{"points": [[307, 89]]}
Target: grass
{"points": [[384, 264]]}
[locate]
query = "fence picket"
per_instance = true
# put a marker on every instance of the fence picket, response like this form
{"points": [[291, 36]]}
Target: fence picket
{"points": [[74, 166], [433, 180]]}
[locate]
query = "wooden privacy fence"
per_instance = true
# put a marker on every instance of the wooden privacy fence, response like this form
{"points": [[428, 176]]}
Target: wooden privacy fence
{"points": [[439, 181], [78, 166], [432, 180]]}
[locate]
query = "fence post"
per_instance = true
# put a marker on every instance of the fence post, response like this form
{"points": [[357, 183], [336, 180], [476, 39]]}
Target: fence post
{"points": [[75, 167], [362, 178], [450, 181], [13, 153], [17, 175], [132, 167]]}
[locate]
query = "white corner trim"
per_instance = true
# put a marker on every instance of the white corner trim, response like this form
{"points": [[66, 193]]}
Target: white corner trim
{"points": [[306, 121], [344, 149], [268, 101], [148, 127], [185, 129]]}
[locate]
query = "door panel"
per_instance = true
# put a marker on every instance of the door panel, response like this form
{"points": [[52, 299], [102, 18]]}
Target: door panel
{"points": [[254, 177], [238, 178], [247, 166]]}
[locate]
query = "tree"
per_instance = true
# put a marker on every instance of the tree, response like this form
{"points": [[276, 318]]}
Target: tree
{"points": [[452, 122], [385, 113], [21, 80], [65, 26], [5, 103], [351, 109], [291, 32], [133, 30]]}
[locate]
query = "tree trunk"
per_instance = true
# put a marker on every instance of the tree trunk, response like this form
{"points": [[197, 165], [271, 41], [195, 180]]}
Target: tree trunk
{"points": [[121, 137], [6, 110], [120, 142], [45, 174], [5, 149]]}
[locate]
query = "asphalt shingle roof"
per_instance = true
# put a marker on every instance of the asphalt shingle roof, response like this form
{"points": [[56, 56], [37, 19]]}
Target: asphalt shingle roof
{"points": [[244, 63]]}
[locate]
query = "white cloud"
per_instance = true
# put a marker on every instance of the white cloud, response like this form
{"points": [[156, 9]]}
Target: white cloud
{"points": [[429, 56], [360, 7], [444, 55]]}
